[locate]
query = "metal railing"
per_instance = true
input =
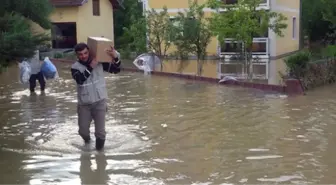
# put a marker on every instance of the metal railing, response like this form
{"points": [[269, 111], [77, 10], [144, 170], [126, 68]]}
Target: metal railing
{"points": [[255, 54]]}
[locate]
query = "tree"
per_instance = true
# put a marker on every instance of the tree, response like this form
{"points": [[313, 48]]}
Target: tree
{"points": [[243, 22], [136, 36], [37, 11], [159, 30], [16, 38], [191, 32], [130, 27], [317, 19], [329, 14]]}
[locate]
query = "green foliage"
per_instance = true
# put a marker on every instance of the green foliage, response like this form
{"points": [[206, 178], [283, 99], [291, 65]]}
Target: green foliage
{"points": [[329, 13], [311, 72], [298, 62], [319, 19], [16, 38], [135, 35], [2, 67], [243, 22], [160, 31], [316, 73], [125, 53], [58, 55], [329, 51], [191, 31], [130, 28], [37, 11]]}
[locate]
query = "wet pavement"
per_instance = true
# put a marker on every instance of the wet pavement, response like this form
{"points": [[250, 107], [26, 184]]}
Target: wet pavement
{"points": [[167, 131]]}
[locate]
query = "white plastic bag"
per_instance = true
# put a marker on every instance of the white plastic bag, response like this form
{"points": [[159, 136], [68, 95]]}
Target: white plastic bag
{"points": [[142, 65], [49, 70], [147, 62], [25, 72]]}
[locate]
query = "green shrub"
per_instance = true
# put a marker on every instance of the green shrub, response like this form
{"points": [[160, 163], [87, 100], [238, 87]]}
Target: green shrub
{"points": [[58, 55], [1, 68], [125, 53], [329, 51], [70, 56], [298, 62]]}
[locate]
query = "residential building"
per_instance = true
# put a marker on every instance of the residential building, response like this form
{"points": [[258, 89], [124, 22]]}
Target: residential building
{"points": [[268, 49], [74, 20]]}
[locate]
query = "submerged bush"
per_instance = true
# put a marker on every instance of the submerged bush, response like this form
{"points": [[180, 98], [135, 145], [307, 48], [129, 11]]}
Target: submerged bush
{"points": [[298, 62], [311, 73]]}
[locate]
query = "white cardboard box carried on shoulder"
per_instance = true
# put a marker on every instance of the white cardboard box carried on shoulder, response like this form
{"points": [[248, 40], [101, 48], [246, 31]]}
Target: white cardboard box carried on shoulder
{"points": [[98, 46]]}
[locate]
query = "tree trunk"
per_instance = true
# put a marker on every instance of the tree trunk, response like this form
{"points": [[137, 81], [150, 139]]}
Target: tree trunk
{"points": [[249, 65], [161, 63], [246, 68], [250, 75], [199, 67]]}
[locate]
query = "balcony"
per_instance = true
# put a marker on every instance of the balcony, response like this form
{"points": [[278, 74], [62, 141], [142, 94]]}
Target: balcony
{"points": [[231, 48], [233, 65], [265, 4]]}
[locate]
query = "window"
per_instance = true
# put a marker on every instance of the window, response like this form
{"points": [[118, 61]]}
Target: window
{"points": [[231, 47], [230, 2], [294, 28], [96, 7], [259, 47]]}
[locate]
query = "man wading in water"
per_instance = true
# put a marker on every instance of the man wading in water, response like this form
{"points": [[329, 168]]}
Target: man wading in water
{"points": [[91, 91]]}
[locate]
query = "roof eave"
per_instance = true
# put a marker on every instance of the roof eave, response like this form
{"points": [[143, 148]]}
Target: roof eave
{"points": [[70, 4]]}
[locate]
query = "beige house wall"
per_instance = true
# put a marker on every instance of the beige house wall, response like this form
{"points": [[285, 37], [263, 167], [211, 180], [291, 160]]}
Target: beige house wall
{"points": [[87, 24]]}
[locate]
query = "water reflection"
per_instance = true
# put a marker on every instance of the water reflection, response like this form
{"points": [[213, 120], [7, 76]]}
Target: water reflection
{"points": [[90, 174]]}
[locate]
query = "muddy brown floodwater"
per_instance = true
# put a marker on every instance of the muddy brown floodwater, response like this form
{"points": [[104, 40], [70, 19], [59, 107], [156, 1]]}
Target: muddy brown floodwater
{"points": [[167, 131]]}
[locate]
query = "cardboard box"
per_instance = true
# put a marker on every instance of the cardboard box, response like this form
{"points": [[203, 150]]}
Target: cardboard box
{"points": [[97, 46]]}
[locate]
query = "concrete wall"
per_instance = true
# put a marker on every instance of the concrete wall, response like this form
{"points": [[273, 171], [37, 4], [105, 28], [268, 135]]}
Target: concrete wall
{"points": [[190, 67], [290, 42], [295, 4], [281, 47], [277, 67]]}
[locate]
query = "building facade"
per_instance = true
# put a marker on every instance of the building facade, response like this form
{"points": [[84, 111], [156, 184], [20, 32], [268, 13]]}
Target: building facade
{"points": [[269, 49], [74, 20]]}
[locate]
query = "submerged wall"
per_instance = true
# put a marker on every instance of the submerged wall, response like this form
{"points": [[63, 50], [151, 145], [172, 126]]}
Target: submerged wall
{"points": [[188, 69]]}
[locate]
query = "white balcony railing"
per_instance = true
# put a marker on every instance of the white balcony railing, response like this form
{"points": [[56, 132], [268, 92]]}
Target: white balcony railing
{"points": [[238, 70], [231, 66], [260, 48]]}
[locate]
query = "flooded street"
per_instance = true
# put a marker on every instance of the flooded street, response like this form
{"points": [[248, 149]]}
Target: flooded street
{"points": [[167, 131]]}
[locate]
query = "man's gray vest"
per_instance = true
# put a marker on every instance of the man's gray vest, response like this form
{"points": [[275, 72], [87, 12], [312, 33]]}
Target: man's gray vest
{"points": [[94, 88]]}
